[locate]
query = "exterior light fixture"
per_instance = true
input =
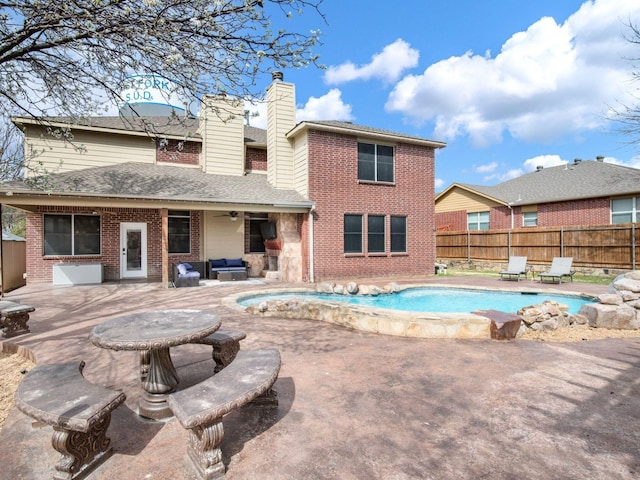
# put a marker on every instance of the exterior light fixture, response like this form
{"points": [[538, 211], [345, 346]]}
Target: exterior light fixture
{"points": [[233, 216]]}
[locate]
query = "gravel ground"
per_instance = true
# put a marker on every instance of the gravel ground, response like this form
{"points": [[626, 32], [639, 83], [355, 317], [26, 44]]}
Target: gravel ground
{"points": [[12, 366]]}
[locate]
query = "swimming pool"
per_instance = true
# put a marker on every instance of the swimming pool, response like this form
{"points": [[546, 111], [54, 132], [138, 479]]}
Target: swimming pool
{"points": [[435, 299]]}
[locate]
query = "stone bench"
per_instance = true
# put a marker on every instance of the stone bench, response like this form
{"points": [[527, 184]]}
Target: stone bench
{"points": [[79, 412], [504, 326], [200, 408], [225, 345], [13, 318]]}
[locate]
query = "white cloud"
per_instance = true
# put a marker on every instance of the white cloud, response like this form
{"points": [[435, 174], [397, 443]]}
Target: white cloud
{"points": [[327, 107], [547, 81], [487, 168], [542, 161], [387, 65], [439, 183]]}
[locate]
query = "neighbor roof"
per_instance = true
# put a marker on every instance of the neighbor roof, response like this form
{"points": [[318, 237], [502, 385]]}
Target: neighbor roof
{"points": [[143, 181], [579, 180]]}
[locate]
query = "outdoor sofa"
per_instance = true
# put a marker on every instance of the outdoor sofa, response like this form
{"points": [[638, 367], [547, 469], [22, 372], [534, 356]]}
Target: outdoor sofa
{"points": [[184, 275], [235, 266]]}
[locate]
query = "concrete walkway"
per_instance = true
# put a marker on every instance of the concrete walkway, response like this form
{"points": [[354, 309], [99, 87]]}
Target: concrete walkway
{"points": [[352, 405]]}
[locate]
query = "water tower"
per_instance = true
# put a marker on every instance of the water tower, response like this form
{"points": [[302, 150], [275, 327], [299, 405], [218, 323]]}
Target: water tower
{"points": [[152, 96]]}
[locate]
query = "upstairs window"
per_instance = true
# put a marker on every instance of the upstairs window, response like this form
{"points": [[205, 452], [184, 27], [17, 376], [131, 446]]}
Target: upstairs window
{"points": [[353, 234], [71, 234], [625, 210], [375, 162], [478, 221], [179, 231]]}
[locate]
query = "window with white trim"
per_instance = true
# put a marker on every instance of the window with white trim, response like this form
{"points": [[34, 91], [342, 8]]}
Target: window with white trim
{"points": [[478, 221], [529, 219], [375, 162], [71, 234], [625, 210]]}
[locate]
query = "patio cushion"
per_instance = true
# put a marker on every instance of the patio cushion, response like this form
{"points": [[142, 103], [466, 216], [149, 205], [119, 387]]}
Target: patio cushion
{"points": [[187, 266], [218, 263], [234, 262], [182, 269]]}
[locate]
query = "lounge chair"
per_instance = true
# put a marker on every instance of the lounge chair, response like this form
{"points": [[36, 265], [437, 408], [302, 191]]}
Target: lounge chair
{"points": [[517, 266], [560, 267]]}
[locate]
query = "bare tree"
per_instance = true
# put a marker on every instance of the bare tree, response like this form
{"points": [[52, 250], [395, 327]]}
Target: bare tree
{"points": [[628, 116], [71, 57], [11, 165]]}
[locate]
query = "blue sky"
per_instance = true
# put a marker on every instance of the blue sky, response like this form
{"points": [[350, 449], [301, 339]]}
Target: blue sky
{"points": [[508, 85]]}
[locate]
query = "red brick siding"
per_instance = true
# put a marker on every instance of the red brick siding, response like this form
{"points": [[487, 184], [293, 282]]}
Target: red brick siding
{"points": [[451, 221], [40, 268], [184, 153], [334, 187], [592, 211], [255, 159]]}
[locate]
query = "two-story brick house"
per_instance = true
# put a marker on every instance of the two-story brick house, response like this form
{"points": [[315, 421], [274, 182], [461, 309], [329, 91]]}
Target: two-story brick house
{"points": [[583, 193], [135, 195]]}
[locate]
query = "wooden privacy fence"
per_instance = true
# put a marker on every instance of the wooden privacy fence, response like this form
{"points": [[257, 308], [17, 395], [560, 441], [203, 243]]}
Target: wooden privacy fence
{"points": [[606, 246]]}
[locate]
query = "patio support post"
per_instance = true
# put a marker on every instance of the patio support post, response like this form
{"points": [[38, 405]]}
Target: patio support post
{"points": [[164, 215]]}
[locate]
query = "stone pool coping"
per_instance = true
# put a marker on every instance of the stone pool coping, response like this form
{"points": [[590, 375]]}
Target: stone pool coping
{"points": [[383, 321]]}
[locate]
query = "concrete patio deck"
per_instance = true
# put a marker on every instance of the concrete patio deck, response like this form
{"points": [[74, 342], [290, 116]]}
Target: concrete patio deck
{"points": [[352, 405]]}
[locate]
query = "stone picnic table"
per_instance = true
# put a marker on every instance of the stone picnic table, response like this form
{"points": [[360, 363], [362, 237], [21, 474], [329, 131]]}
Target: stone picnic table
{"points": [[156, 332]]}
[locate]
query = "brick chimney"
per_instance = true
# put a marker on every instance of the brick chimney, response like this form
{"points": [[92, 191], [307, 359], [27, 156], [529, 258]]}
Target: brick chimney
{"points": [[281, 117], [222, 128]]}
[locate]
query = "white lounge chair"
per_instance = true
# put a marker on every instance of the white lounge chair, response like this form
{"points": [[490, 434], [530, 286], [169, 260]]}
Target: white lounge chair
{"points": [[517, 266], [560, 267]]}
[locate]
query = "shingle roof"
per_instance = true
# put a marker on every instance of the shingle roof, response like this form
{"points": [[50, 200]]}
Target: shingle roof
{"points": [[362, 129], [158, 182], [587, 179]]}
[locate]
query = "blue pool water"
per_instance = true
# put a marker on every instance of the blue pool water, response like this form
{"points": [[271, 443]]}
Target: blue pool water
{"points": [[425, 299]]}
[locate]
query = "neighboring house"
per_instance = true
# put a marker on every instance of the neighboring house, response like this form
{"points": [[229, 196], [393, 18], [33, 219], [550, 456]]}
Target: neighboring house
{"points": [[583, 193], [135, 196]]}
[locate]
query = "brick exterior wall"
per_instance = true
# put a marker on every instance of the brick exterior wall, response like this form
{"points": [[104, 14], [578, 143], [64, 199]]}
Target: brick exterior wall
{"points": [[334, 187], [255, 159], [183, 153], [451, 221], [592, 211], [40, 268], [588, 212]]}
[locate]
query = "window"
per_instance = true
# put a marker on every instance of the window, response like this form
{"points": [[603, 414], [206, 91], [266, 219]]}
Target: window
{"points": [[375, 162], [529, 219], [625, 210], [71, 234], [398, 234], [375, 233], [256, 242], [353, 234], [179, 231], [478, 221]]}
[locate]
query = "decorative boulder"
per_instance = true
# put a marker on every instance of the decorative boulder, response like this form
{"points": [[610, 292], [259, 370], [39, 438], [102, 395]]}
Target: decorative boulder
{"points": [[620, 317], [352, 288]]}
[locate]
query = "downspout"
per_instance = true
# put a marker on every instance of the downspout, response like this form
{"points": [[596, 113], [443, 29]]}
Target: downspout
{"points": [[311, 271]]}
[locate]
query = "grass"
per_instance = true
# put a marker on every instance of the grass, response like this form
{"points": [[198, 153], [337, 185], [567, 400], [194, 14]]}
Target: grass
{"points": [[592, 279]]}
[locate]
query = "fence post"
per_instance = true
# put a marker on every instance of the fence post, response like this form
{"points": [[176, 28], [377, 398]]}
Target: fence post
{"points": [[468, 246], [633, 246], [562, 241], [508, 245]]}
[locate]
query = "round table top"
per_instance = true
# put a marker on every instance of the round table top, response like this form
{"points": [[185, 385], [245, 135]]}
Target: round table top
{"points": [[154, 330]]}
